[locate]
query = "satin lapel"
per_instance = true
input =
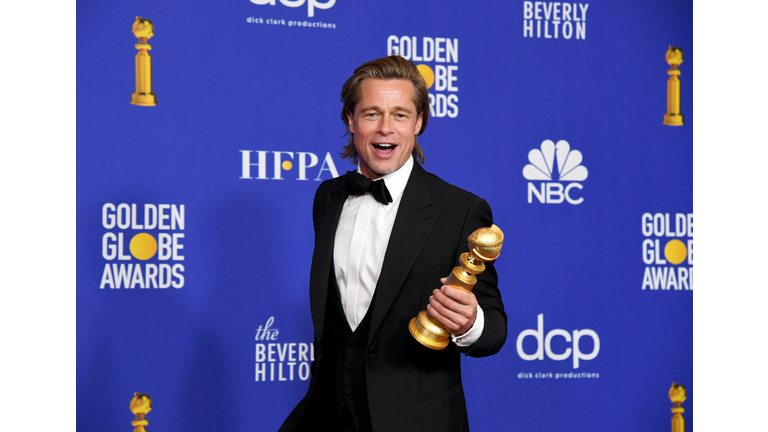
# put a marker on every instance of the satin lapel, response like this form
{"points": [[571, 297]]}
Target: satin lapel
{"points": [[323, 256], [414, 221]]}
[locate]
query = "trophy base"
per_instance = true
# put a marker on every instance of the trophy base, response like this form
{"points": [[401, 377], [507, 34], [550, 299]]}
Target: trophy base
{"points": [[144, 99], [673, 119], [428, 333]]}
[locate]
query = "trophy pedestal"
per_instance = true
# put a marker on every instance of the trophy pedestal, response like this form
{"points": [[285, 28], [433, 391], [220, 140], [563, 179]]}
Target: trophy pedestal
{"points": [[139, 425], [428, 333], [143, 96], [141, 404], [144, 99], [677, 396], [673, 120], [673, 117]]}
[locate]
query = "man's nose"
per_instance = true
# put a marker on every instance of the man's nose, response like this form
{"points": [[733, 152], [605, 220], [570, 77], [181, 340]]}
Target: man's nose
{"points": [[385, 125]]}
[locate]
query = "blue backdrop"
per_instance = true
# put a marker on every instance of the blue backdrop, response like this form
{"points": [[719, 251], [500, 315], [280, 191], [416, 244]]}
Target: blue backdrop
{"points": [[551, 111]]}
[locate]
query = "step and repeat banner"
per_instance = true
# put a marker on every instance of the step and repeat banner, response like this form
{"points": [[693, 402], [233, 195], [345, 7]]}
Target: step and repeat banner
{"points": [[574, 120]]}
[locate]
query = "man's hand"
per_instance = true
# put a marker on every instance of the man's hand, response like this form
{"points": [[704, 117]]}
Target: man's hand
{"points": [[455, 309]]}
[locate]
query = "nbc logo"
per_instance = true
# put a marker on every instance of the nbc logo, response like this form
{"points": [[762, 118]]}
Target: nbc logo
{"points": [[542, 167]]}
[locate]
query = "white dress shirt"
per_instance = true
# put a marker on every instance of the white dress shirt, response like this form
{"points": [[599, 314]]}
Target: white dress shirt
{"points": [[362, 236]]}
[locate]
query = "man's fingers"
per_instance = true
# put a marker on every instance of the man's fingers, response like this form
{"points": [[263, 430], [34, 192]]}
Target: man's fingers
{"points": [[460, 296], [458, 301], [455, 309], [447, 323]]}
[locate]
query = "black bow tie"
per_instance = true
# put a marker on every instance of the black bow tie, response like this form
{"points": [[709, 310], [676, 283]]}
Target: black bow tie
{"points": [[358, 184]]}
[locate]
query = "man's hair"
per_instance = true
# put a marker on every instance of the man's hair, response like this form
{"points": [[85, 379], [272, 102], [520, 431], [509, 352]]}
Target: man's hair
{"points": [[392, 67]]}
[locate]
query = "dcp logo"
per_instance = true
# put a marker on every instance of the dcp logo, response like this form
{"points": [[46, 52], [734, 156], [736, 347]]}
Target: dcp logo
{"points": [[568, 169], [311, 4], [544, 344]]}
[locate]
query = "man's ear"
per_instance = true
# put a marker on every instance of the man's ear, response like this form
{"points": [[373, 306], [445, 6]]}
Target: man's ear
{"points": [[350, 123], [418, 124]]}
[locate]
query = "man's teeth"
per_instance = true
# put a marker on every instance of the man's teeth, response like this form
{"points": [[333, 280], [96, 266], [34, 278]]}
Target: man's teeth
{"points": [[384, 145]]}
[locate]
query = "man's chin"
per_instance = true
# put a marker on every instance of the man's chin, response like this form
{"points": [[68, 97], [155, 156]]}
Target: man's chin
{"points": [[384, 170]]}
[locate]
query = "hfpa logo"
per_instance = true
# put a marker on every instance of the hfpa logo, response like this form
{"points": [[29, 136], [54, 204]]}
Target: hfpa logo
{"points": [[278, 165], [542, 167]]}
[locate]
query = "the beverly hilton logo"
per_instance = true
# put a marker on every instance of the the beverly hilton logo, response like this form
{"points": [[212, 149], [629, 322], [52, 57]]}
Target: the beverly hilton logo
{"points": [[555, 20], [559, 171], [281, 361]]}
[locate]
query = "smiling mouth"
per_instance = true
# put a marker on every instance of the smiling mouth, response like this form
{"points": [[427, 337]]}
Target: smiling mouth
{"points": [[385, 146]]}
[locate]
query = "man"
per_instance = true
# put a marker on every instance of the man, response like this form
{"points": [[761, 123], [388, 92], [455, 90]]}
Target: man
{"points": [[379, 257]]}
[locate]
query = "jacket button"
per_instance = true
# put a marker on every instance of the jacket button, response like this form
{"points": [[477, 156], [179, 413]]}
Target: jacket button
{"points": [[351, 343]]}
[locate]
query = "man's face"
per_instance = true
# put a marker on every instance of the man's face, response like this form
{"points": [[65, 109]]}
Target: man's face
{"points": [[384, 124]]}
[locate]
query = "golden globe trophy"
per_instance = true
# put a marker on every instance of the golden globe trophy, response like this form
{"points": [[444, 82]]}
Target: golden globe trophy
{"points": [[143, 96], [677, 396], [673, 117], [141, 404], [484, 246]]}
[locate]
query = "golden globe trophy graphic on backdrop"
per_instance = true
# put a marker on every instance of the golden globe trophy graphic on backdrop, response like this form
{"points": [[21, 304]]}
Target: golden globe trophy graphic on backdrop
{"points": [[484, 246], [141, 404], [673, 117], [143, 96], [677, 396]]}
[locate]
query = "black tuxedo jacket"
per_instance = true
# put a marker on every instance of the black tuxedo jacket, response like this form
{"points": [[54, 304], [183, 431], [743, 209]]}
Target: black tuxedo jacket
{"points": [[410, 387]]}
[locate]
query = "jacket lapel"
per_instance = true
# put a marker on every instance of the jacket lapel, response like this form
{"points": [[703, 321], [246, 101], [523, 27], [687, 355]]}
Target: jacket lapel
{"points": [[414, 221], [322, 259]]}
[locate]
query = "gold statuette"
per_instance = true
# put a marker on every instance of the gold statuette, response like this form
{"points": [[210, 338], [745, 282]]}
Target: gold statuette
{"points": [[484, 246], [677, 396], [141, 404], [143, 29], [673, 116]]}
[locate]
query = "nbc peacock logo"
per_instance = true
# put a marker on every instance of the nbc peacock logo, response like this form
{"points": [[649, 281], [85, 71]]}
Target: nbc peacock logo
{"points": [[558, 170]]}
